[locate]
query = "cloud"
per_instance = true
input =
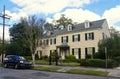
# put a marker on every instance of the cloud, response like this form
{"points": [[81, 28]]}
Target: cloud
{"points": [[112, 15], [77, 15], [48, 6], [6, 36]]}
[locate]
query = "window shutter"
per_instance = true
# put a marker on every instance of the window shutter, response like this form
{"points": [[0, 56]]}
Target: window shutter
{"points": [[61, 39], [73, 38], [72, 51], [93, 50], [92, 36], [78, 37], [47, 41], [85, 36], [86, 52], [50, 41], [79, 53], [67, 39], [55, 41]]}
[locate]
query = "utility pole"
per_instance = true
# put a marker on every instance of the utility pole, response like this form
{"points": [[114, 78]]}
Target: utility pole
{"points": [[4, 16]]}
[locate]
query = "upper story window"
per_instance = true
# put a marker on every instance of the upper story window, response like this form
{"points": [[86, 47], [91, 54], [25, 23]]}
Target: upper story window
{"points": [[76, 37], [87, 24], [89, 36], [64, 39], [69, 27], [46, 42], [53, 41]]}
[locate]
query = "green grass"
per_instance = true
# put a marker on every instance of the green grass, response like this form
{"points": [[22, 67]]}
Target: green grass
{"points": [[43, 68], [87, 72], [70, 64], [41, 62], [45, 62]]}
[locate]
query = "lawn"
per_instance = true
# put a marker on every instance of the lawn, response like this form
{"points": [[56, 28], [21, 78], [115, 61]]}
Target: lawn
{"points": [[45, 62], [44, 68], [87, 72]]}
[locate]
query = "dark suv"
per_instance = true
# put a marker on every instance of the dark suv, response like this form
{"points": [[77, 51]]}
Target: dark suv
{"points": [[16, 62]]}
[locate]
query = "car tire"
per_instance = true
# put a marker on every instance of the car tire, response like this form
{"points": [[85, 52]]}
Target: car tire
{"points": [[16, 66], [5, 65]]}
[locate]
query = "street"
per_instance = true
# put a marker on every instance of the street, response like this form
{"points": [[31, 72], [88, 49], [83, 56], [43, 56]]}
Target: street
{"points": [[6, 73]]}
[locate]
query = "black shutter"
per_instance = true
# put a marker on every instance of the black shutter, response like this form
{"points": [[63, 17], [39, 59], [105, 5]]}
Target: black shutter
{"points": [[61, 39], [85, 36], [55, 41], [72, 51], [73, 38], [50, 41], [86, 52], [92, 36], [79, 53], [78, 37], [67, 39], [47, 41], [93, 50]]}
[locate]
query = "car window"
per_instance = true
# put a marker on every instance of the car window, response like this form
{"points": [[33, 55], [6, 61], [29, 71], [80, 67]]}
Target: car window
{"points": [[20, 58]]}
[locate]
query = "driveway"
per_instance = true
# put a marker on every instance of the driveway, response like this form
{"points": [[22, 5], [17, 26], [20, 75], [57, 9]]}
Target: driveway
{"points": [[33, 74]]}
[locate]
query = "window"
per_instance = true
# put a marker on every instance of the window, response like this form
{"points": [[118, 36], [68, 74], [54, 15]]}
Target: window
{"points": [[89, 52], [53, 41], [76, 52], [64, 39], [45, 42], [87, 24], [69, 27], [76, 37], [89, 36]]}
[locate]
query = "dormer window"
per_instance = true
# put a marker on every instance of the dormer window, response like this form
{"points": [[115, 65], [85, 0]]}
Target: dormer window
{"points": [[69, 27], [87, 24], [48, 33]]}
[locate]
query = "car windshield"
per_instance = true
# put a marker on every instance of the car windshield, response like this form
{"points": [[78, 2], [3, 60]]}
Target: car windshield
{"points": [[20, 58]]}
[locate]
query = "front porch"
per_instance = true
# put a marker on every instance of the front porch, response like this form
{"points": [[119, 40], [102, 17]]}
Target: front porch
{"points": [[63, 50]]}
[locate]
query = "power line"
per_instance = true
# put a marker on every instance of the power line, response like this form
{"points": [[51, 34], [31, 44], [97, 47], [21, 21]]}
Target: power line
{"points": [[4, 16]]}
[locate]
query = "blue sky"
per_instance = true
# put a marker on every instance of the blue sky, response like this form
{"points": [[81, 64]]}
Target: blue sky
{"points": [[77, 10]]}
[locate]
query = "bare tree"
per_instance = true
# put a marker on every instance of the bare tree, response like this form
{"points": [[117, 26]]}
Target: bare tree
{"points": [[33, 33]]}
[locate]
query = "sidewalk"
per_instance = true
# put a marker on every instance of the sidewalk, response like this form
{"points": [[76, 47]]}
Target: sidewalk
{"points": [[112, 72]]}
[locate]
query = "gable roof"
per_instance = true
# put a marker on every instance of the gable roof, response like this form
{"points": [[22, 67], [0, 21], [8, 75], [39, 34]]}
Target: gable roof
{"points": [[79, 27]]}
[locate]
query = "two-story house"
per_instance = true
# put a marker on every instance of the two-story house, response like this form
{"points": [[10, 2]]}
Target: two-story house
{"points": [[79, 40]]}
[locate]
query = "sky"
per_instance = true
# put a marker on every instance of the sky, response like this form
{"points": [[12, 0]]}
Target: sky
{"points": [[77, 10]]}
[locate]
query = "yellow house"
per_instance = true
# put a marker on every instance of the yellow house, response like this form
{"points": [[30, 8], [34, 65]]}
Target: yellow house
{"points": [[79, 40]]}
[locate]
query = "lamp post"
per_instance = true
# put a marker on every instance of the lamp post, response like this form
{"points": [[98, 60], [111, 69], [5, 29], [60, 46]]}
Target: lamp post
{"points": [[106, 60]]}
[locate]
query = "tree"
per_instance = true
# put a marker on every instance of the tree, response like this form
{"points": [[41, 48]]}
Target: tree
{"points": [[6, 43], [33, 33], [18, 44], [112, 44], [63, 22]]}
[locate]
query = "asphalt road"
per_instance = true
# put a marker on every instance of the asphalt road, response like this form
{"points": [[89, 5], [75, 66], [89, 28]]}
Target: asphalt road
{"points": [[33, 74]]}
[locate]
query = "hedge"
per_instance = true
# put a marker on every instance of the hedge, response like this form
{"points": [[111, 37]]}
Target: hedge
{"points": [[98, 63]]}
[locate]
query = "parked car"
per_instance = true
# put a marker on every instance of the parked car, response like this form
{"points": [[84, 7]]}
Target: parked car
{"points": [[16, 62]]}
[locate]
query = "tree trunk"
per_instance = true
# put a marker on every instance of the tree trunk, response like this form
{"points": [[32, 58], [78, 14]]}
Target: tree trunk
{"points": [[33, 58]]}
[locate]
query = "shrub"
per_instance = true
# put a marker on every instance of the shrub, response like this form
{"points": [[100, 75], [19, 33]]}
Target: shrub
{"points": [[71, 60], [70, 57], [98, 63], [28, 57], [99, 55], [44, 57]]}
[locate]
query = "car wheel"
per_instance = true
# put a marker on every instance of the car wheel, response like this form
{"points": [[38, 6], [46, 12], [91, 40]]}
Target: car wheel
{"points": [[6, 65], [16, 66]]}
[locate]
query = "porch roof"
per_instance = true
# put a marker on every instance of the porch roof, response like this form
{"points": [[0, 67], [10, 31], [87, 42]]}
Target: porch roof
{"points": [[63, 45]]}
